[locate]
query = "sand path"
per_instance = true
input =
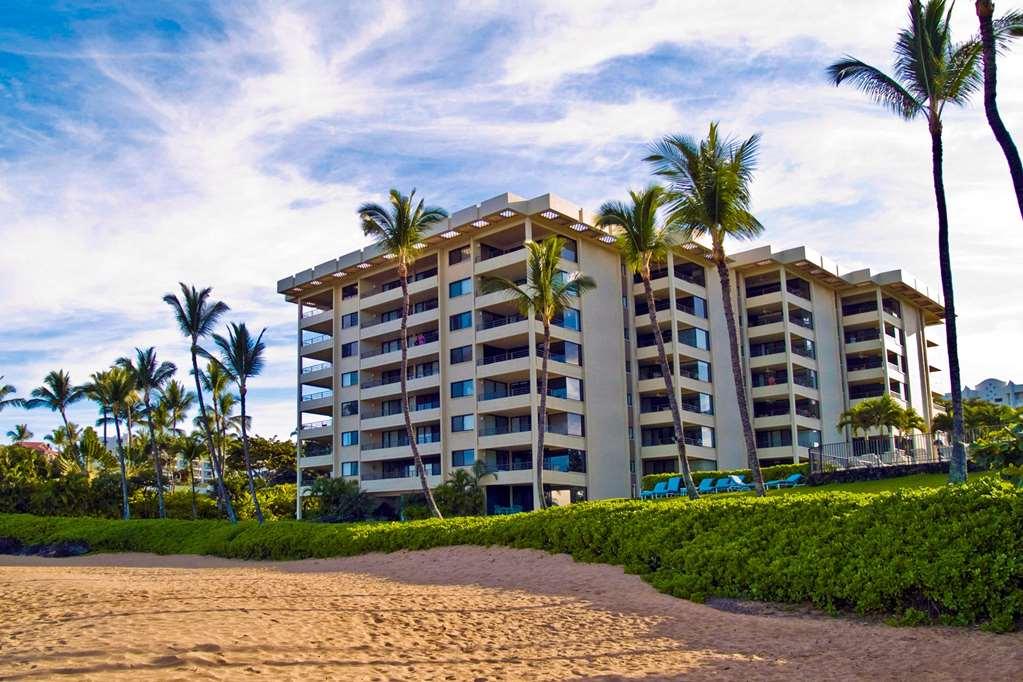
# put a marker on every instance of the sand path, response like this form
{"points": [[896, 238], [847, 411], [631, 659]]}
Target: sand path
{"points": [[446, 614]]}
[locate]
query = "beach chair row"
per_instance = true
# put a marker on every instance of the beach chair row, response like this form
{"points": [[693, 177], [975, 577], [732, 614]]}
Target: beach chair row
{"points": [[729, 484]]}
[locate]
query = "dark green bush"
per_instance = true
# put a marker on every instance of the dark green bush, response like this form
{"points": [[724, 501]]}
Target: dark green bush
{"points": [[337, 500], [776, 472], [953, 553]]}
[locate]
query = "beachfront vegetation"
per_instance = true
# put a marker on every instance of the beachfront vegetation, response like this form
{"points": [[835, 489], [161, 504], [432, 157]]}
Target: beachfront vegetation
{"points": [[951, 554]]}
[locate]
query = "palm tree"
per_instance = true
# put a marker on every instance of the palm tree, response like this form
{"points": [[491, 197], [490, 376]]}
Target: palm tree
{"points": [[19, 433], [120, 391], [912, 421], [64, 439], [196, 316], [930, 72], [176, 400], [994, 32], [546, 295], [242, 357], [97, 389], [58, 393], [643, 240], [6, 390], [708, 195], [150, 377], [191, 449], [399, 230]]}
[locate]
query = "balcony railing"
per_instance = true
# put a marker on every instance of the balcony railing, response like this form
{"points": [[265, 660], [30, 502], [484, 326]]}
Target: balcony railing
{"points": [[766, 318], [422, 307], [501, 357], [762, 289], [309, 312], [313, 450], [501, 321], [414, 340], [432, 469], [491, 430], [316, 396], [803, 320], [401, 443], [510, 392], [315, 338], [521, 465], [316, 425], [857, 308], [771, 410], [863, 335], [487, 252], [758, 349], [412, 376], [316, 368]]}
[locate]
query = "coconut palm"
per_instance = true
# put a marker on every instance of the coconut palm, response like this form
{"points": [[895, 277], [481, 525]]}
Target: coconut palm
{"points": [[197, 316], [547, 294], [58, 393], [176, 400], [930, 72], [993, 34], [150, 377], [709, 196], [191, 449], [399, 230], [242, 356], [642, 241], [64, 440], [97, 389], [8, 390], [120, 391], [911, 421], [19, 434]]}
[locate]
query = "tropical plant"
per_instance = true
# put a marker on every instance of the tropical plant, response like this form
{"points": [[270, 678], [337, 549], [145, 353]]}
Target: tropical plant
{"points": [[708, 194], [546, 295], [461, 494], [930, 72], [97, 389], [338, 500], [57, 393], [994, 33], [150, 377], [197, 316], [399, 230], [644, 240], [979, 416], [64, 439], [118, 390], [19, 433], [94, 454], [8, 390], [191, 449], [176, 400], [242, 356]]}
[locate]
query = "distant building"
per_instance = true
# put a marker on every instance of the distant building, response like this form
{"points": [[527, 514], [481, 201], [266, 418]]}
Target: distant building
{"points": [[995, 391], [40, 447]]}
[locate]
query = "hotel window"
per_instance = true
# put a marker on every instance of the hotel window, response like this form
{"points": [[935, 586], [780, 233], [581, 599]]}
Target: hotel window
{"points": [[349, 320], [461, 354], [461, 389], [349, 438], [349, 468], [695, 337], [774, 438], [460, 321], [460, 254], [428, 434], [460, 287], [463, 458], [390, 315], [350, 408], [569, 319], [569, 388], [349, 379], [463, 422], [349, 349], [350, 291]]}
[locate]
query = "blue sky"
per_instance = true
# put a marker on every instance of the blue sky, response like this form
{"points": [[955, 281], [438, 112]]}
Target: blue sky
{"points": [[228, 144]]}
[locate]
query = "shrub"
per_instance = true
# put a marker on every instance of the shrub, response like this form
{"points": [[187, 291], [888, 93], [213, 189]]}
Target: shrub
{"points": [[276, 501], [770, 473], [339, 500], [952, 554]]}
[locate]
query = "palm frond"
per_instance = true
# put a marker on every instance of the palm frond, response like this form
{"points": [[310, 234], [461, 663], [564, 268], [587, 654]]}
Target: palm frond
{"points": [[877, 85]]}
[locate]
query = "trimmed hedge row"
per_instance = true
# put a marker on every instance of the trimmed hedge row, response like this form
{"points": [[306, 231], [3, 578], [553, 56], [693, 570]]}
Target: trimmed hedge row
{"points": [[951, 554], [772, 473]]}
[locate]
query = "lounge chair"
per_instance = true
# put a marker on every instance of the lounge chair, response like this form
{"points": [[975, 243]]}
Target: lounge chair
{"points": [[723, 485], [658, 490], [674, 485], [706, 486], [791, 481], [731, 484]]}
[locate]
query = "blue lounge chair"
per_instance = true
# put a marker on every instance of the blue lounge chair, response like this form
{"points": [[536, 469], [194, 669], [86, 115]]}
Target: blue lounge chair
{"points": [[706, 486], [791, 481], [659, 489], [674, 485], [723, 485]]}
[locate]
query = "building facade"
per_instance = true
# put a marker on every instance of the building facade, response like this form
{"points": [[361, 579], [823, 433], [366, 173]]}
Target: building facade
{"points": [[995, 391], [814, 341]]}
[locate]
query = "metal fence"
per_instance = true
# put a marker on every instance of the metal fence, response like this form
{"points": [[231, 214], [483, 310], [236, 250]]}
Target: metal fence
{"points": [[880, 451]]}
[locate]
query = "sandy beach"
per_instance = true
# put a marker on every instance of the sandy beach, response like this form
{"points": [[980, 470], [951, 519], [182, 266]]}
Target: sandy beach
{"points": [[449, 614]]}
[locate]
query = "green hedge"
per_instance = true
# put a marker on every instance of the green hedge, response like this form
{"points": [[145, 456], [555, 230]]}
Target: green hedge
{"points": [[770, 473], [953, 554]]}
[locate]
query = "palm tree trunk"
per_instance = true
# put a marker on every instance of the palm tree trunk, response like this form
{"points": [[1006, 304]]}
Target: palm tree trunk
{"points": [[420, 467], [985, 11], [737, 372], [245, 452], [957, 465], [125, 511], [157, 464], [218, 475], [191, 478], [541, 416], [669, 385]]}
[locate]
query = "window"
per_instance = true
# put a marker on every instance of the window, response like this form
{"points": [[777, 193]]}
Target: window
{"points": [[460, 287], [698, 370], [563, 351], [428, 434], [460, 321], [389, 407], [463, 422], [460, 254], [350, 379], [461, 354], [463, 458], [349, 468], [695, 337], [349, 349], [350, 291], [461, 389], [694, 305], [565, 387], [569, 319], [774, 438], [423, 306], [390, 315], [390, 346], [349, 438], [350, 408], [808, 438], [349, 320]]}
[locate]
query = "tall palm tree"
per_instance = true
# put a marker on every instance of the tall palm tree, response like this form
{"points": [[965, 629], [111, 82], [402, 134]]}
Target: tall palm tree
{"points": [[643, 240], [197, 316], [97, 389], [993, 33], [191, 449], [708, 195], [58, 393], [399, 229], [546, 295], [7, 390], [150, 377], [242, 357], [65, 440], [930, 72], [120, 391], [177, 400], [19, 434]]}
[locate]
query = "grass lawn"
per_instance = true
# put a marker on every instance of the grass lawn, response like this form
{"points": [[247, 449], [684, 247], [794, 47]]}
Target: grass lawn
{"points": [[883, 485]]}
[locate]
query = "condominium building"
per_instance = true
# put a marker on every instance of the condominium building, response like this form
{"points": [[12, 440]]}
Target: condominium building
{"points": [[814, 341], [994, 391]]}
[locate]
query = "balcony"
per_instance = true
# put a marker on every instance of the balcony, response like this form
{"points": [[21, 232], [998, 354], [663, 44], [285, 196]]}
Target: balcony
{"points": [[317, 319], [320, 374], [389, 293], [317, 429], [317, 346]]}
